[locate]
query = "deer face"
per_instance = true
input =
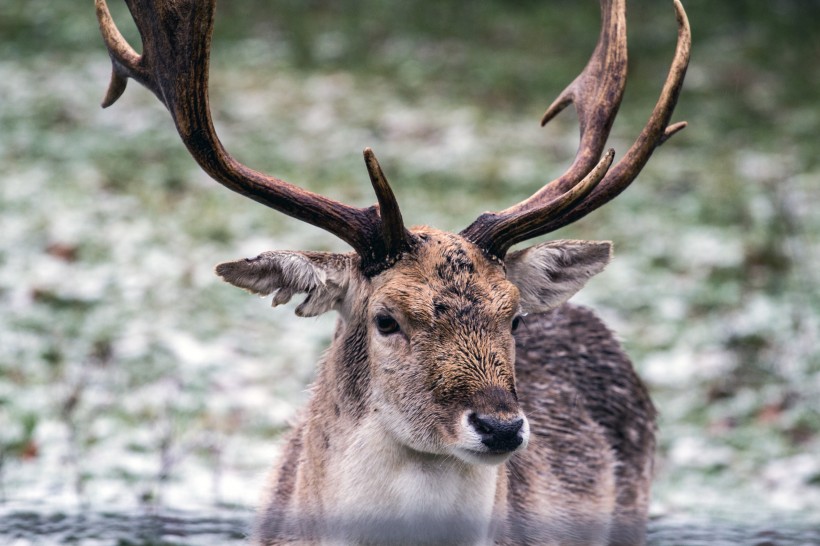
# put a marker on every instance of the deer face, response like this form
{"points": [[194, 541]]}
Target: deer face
{"points": [[442, 351], [437, 330]]}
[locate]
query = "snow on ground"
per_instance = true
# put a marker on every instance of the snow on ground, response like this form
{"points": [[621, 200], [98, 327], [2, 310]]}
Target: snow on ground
{"points": [[130, 377]]}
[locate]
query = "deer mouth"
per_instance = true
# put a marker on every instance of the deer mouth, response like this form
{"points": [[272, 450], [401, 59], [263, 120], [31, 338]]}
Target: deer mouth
{"points": [[490, 458]]}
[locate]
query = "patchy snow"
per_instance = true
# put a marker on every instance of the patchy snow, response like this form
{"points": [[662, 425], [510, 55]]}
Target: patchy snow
{"points": [[131, 377]]}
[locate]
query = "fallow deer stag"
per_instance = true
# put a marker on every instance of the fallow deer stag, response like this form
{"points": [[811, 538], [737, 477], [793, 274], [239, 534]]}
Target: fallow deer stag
{"points": [[430, 392]]}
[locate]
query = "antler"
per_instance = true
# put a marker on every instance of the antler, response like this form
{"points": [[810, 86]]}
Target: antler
{"points": [[596, 94], [176, 40]]}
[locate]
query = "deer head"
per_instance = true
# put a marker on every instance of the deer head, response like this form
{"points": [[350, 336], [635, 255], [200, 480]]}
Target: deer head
{"points": [[427, 317]]}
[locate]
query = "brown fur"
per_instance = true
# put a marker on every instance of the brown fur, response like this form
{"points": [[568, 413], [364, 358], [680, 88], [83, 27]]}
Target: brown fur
{"points": [[598, 423], [385, 407]]}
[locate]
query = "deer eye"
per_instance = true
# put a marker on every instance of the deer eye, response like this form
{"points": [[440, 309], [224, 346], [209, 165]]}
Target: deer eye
{"points": [[386, 324], [516, 322]]}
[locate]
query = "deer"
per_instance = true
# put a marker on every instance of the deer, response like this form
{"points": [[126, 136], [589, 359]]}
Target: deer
{"points": [[462, 399]]}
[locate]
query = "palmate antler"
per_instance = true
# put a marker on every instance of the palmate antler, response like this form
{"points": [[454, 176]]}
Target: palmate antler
{"points": [[597, 94], [176, 41]]}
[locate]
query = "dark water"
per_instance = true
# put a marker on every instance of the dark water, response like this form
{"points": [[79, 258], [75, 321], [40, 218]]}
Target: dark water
{"points": [[92, 528], [19, 528]]}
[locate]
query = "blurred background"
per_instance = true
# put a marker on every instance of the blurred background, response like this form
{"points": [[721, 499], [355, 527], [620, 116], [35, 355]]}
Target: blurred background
{"points": [[131, 378]]}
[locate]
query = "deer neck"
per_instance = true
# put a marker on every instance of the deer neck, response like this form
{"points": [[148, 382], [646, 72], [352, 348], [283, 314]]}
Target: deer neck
{"points": [[372, 484]]}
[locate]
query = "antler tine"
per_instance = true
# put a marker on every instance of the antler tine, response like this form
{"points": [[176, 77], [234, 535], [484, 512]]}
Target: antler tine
{"points": [[393, 230], [176, 39], [596, 94], [125, 61]]}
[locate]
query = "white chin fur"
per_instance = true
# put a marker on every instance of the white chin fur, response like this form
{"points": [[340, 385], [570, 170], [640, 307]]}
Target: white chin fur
{"points": [[470, 456]]}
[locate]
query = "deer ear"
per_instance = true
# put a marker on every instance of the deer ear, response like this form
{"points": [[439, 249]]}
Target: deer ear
{"points": [[322, 276], [550, 273]]}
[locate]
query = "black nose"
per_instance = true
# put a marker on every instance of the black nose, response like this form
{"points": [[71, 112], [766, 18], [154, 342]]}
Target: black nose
{"points": [[499, 435]]}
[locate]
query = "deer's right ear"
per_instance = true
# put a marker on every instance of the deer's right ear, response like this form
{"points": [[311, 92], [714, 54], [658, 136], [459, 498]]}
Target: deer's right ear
{"points": [[322, 276]]}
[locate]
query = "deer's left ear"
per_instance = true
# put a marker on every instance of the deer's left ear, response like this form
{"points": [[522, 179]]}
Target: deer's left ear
{"points": [[548, 274]]}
